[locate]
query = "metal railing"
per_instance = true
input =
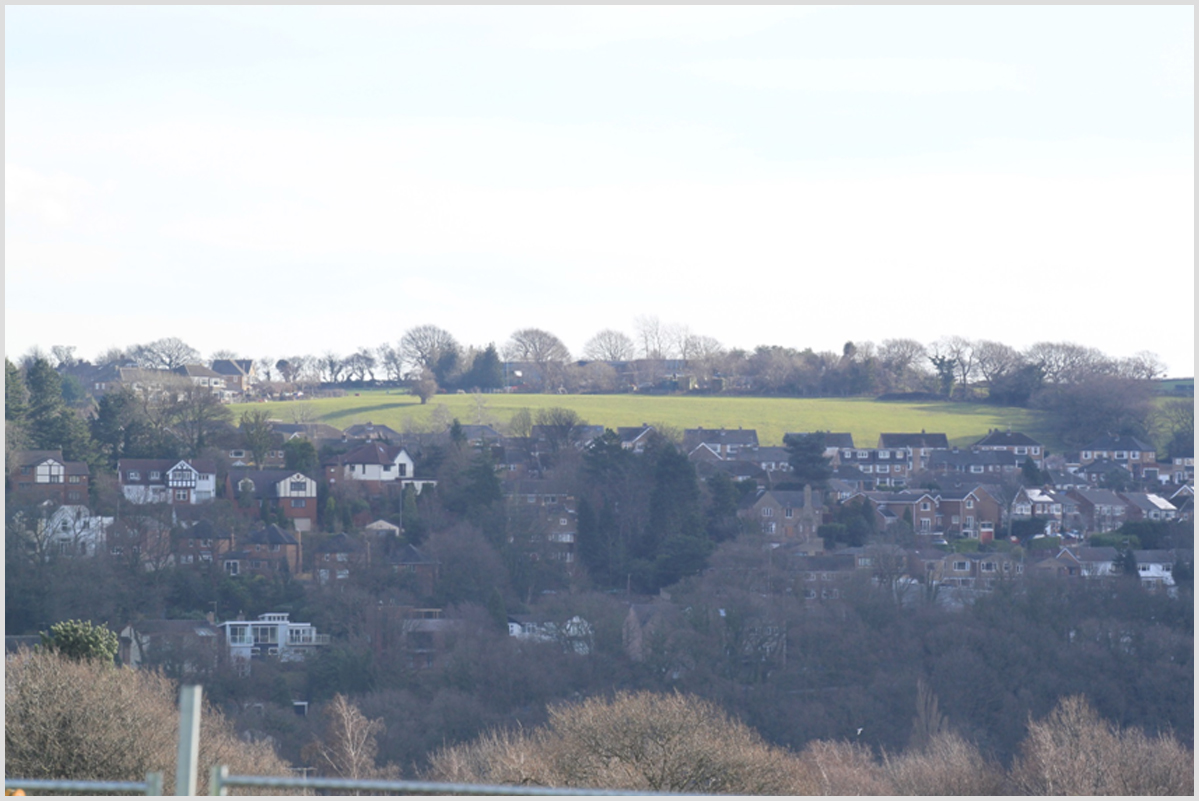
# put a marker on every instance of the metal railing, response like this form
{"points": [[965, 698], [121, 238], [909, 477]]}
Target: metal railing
{"points": [[219, 780], [151, 786]]}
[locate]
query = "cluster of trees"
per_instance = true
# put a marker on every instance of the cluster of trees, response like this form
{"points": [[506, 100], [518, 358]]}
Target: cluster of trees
{"points": [[1082, 390], [83, 718]]}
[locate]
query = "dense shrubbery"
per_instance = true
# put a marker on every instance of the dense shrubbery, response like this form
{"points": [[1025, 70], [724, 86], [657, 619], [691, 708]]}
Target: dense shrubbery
{"points": [[71, 719]]}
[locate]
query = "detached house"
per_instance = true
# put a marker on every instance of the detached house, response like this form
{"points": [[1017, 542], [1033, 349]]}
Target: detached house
{"points": [[1101, 510], [724, 443], [921, 445], [787, 516], [167, 480], [291, 493], [266, 551], [271, 635], [378, 465], [238, 374], [45, 475]]}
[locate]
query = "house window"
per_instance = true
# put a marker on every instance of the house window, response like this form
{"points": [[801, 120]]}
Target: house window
{"points": [[882, 468], [181, 495], [969, 503], [769, 528], [232, 567], [988, 567], [73, 496], [237, 454], [961, 566], [73, 480], [403, 469], [1086, 454], [155, 475], [788, 512], [299, 503], [867, 468], [387, 468], [275, 547], [976, 468], [884, 454], [925, 506], [1121, 455], [955, 520], [299, 486], [134, 475], [767, 511]]}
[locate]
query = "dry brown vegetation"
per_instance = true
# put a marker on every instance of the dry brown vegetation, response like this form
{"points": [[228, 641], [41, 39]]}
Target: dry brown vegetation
{"points": [[87, 720], [677, 743]]}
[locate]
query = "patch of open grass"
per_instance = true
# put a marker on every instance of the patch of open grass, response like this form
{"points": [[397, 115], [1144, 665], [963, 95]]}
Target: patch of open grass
{"points": [[962, 423]]}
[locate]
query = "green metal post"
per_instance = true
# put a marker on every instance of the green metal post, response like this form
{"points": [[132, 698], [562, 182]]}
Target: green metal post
{"points": [[154, 783], [216, 779], [189, 739]]}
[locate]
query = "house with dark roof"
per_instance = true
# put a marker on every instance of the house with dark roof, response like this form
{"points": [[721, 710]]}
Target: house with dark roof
{"points": [[266, 551], [422, 570], [46, 476], [787, 516], [202, 543], [725, 443], [372, 431], [285, 492], [1133, 454], [378, 466], [1101, 510], [206, 377], [167, 480], [181, 648], [834, 442], [237, 373], [1019, 445], [994, 464], [886, 467], [636, 438], [336, 556], [921, 445], [1148, 506]]}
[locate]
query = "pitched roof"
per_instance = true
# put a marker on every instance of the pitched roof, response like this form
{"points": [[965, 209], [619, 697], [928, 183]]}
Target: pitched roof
{"points": [[1005, 439], [693, 437], [370, 453], [233, 367], [1119, 442], [832, 439], [197, 370], [921, 440], [271, 535]]}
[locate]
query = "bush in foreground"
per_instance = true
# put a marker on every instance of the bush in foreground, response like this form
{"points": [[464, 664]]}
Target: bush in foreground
{"points": [[67, 719]]}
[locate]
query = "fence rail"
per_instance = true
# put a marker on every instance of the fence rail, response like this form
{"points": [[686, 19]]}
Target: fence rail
{"points": [[220, 779], [151, 786]]}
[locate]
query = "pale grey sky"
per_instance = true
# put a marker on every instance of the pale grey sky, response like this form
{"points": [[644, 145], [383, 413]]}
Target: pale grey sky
{"points": [[281, 180]]}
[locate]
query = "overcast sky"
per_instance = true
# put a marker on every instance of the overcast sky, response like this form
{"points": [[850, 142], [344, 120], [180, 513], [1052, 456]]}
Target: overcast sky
{"points": [[286, 180]]}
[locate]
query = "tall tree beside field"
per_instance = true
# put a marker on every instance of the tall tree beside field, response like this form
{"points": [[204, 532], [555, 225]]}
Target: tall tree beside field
{"points": [[541, 348], [609, 346]]}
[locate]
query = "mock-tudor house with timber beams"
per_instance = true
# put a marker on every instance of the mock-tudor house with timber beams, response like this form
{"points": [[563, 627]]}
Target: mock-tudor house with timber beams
{"points": [[173, 481], [378, 465], [291, 493], [46, 475]]}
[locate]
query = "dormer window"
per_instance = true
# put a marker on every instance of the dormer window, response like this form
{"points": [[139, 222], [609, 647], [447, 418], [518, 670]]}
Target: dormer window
{"points": [[135, 475], [156, 475]]}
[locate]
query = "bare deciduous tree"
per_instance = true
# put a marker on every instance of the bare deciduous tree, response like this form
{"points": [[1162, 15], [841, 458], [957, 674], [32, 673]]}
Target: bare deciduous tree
{"points": [[164, 354], [422, 347], [609, 346], [350, 743]]}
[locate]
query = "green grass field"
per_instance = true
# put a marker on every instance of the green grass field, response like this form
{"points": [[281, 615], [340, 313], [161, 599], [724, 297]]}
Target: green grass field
{"points": [[963, 423]]}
